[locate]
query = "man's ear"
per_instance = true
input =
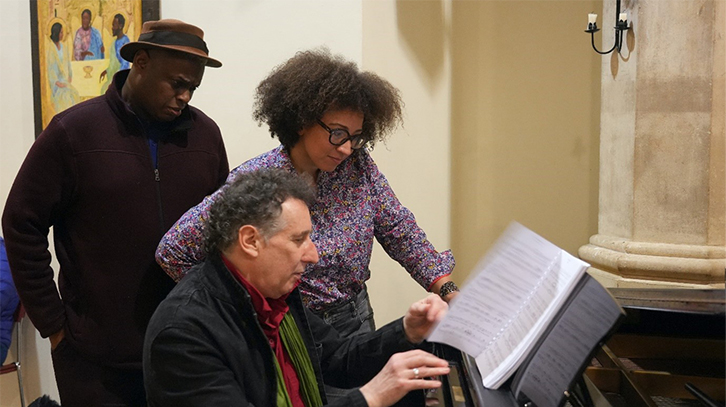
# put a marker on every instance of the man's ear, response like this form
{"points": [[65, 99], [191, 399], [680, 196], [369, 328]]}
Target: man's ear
{"points": [[141, 58], [249, 240]]}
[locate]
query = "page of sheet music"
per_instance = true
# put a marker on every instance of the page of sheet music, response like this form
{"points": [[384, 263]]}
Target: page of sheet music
{"points": [[532, 322], [507, 299], [587, 319]]}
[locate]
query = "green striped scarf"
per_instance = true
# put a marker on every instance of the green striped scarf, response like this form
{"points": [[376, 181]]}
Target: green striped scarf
{"points": [[293, 343]]}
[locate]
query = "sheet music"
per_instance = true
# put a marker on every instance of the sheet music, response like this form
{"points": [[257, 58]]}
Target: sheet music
{"points": [[508, 301], [587, 319]]}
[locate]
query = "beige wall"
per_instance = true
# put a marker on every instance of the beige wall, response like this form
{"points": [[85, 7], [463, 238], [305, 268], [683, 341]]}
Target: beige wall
{"points": [[406, 42], [525, 123]]}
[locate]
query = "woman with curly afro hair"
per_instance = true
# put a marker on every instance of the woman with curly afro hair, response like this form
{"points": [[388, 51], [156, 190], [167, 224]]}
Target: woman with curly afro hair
{"points": [[328, 115]]}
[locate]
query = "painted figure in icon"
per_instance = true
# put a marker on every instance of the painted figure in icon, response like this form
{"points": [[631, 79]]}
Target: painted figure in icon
{"points": [[116, 63], [88, 43], [62, 93]]}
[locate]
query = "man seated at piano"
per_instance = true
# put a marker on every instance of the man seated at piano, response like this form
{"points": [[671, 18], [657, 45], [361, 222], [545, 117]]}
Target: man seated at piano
{"points": [[234, 331]]}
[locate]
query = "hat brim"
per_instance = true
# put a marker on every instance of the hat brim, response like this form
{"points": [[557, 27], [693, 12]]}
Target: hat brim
{"points": [[129, 50]]}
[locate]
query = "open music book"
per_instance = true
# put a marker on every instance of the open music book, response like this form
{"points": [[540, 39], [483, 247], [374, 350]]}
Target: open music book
{"points": [[529, 305]]}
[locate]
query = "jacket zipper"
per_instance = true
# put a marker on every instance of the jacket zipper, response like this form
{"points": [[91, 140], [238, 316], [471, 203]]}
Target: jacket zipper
{"points": [[157, 179]]}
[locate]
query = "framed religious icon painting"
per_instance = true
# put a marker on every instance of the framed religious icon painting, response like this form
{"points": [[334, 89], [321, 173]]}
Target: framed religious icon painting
{"points": [[75, 46]]}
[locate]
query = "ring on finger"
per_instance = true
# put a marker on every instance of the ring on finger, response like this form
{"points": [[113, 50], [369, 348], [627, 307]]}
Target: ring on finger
{"points": [[415, 373]]}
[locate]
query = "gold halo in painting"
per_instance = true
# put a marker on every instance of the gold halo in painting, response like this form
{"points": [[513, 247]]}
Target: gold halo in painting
{"points": [[57, 20], [109, 20]]}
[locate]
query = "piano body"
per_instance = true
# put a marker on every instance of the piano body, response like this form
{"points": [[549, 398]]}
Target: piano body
{"points": [[669, 338]]}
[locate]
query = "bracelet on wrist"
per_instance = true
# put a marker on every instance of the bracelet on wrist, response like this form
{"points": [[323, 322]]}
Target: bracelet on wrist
{"points": [[447, 288]]}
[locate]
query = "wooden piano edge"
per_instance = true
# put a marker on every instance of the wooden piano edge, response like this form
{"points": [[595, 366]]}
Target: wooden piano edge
{"points": [[636, 386]]}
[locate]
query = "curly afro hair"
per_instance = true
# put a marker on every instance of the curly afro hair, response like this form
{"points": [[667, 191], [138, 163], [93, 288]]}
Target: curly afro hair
{"points": [[297, 93]]}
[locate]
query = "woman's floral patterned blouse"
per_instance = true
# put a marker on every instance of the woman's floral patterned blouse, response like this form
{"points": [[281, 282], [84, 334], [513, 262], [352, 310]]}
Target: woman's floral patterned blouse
{"points": [[354, 204]]}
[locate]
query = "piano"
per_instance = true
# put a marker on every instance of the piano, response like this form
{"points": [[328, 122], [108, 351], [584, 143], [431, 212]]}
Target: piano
{"points": [[670, 338], [669, 351]]}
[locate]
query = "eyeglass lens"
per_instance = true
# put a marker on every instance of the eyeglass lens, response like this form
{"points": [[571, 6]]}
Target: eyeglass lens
{"points": [[338, 137]]}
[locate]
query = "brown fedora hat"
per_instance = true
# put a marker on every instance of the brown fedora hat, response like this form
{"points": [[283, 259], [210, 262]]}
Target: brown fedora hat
{"points": [[170, 34]]}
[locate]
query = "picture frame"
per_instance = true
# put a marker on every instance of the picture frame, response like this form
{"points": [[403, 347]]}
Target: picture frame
{"points": [[74, 49]]}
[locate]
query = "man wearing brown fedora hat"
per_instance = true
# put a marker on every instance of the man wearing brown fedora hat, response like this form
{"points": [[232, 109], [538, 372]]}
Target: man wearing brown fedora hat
{"points": [[110, 176]]}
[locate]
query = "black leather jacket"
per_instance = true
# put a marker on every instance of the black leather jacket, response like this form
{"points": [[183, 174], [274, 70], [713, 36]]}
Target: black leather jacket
{"points": [[204, 346]]}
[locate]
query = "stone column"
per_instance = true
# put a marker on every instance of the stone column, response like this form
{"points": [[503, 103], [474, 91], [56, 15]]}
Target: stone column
{"points": [[662, 213]]}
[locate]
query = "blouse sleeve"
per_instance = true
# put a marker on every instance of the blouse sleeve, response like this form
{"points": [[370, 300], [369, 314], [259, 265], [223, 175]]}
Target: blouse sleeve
{"points": [[401, 237], [182, 246]]}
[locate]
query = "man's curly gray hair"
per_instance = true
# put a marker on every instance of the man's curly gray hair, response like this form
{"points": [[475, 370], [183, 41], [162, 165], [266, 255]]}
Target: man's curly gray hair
{"points": [[253, 198]]}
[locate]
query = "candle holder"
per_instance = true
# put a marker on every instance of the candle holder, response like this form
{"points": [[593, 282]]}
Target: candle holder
{"points": [[621, 25]]}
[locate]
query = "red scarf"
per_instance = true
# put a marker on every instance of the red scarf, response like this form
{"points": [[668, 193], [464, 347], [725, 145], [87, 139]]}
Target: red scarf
{"points": [[269, 314]]}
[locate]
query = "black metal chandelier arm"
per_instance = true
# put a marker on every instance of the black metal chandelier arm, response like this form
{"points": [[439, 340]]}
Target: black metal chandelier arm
{"points": [[592, 35]]}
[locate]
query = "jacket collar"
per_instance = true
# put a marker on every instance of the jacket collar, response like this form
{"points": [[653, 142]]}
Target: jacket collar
{"points": [[269, 311], [133, 122], [221, 284]]}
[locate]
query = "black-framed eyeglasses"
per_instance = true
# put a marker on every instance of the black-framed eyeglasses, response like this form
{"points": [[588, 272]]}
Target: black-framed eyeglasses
{"points": [[338, 137]]}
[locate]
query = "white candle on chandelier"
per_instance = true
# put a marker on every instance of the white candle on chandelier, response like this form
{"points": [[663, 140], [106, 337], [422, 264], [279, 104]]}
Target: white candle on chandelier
{"points": [[623, 16], [591, 18]]}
